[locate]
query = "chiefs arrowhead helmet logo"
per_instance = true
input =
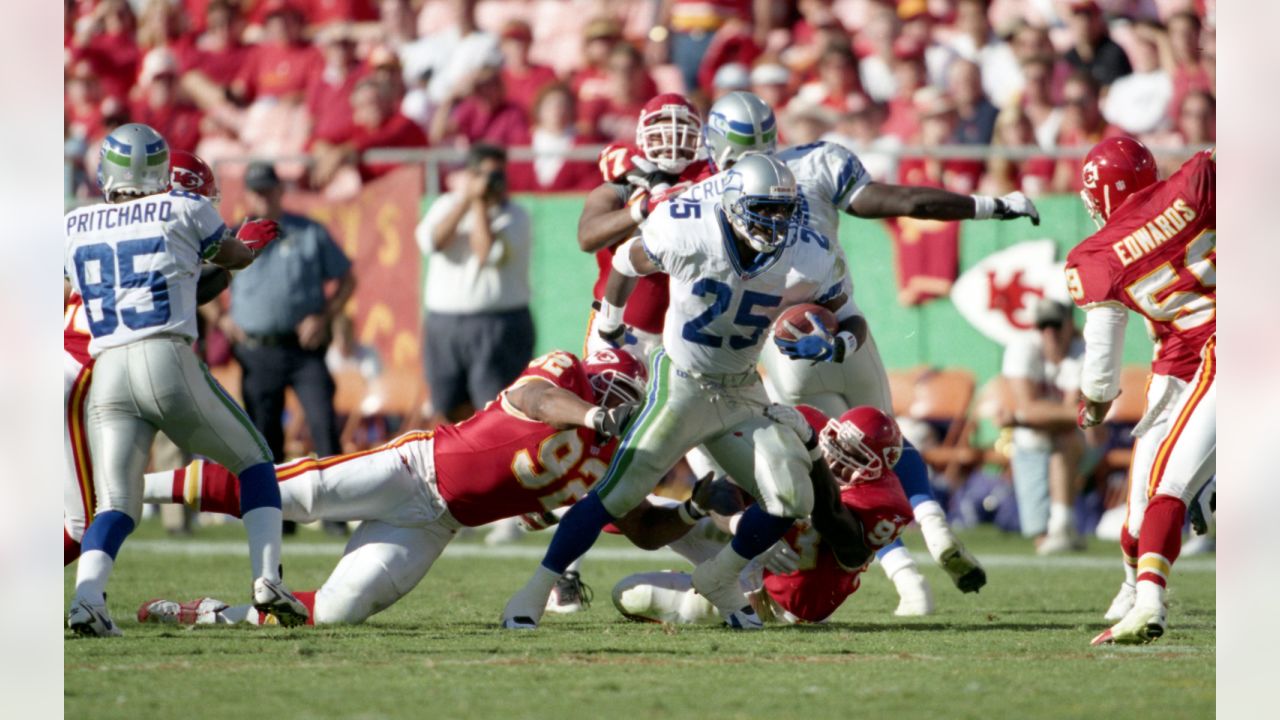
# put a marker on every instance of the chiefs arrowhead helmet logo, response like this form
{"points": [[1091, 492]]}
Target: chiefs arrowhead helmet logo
{"points": [[1090, 174]]}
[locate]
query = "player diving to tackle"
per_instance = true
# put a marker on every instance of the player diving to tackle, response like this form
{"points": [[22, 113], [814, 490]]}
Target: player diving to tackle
{"points": [[859, 507], [833, 181], [135, 260], [543, 443], [1155, 253], [731, 270]]}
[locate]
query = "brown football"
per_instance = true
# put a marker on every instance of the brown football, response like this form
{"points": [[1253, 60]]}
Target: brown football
{"points": [[796, 315]]}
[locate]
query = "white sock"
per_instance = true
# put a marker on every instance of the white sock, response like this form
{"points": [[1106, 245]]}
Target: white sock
{"points": [[158, 488], [263, 525], [531, 599], [92, 573], [728, 563], [574, 566], [1130, 574], [1149, 594], [1061, 519], [927, 510], [896, 559]]}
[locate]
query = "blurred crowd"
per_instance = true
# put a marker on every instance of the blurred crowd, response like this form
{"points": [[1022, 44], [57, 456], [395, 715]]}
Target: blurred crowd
{"points": [[321, 81]]}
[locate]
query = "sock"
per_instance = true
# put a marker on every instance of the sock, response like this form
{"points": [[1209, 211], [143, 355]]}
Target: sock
{"points": [[70, 548], [166, 488], [913, 475], [101, 543], [758, 530], [894, 557], [217, 489], [1159, 543], [260, 509], [927, 510], [531, 599], [1061, 519], [575, 534], [1129, 552], [575, 566]]}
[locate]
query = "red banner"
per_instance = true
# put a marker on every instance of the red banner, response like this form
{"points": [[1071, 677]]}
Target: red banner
{"points": [[375, 229]]}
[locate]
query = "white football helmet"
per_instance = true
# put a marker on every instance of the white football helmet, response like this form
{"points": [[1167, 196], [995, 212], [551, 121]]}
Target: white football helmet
{"points": [[669, 132], [761, 200], [133, 161]]}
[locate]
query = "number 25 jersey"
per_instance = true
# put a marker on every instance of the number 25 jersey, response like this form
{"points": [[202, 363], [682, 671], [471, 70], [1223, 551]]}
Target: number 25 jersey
{"points": [[136, 265], [1157, 255]]}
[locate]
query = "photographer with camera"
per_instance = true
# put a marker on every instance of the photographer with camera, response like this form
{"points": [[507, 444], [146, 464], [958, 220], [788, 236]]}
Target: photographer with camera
{"points": [[477, 329]]}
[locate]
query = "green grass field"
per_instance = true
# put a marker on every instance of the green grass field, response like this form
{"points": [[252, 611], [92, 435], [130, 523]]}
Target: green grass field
{"points": [[1020, 649]]}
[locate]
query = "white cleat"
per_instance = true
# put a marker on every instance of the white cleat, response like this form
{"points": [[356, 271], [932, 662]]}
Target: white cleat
{"points": [[662, 597], [202, 611], [271, 597], [950, 554], [915, 596], [726, 594], [1122, 604], [1140, 625], [91, 620]]}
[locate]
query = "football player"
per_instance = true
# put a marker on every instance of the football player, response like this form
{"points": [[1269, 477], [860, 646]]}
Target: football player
{"points": [[832, 180], [858, 511], [135, 261], [190, 173], [542, 443], [636, 179], [1155, 253], [731, 271]]}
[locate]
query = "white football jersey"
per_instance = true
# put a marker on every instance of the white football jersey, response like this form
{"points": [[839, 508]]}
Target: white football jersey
{"points": [[136, 264], [720, 311]]}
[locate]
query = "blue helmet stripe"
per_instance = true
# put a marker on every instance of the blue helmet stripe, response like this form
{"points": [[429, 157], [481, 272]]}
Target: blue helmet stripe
{"points": [[118, 146]]}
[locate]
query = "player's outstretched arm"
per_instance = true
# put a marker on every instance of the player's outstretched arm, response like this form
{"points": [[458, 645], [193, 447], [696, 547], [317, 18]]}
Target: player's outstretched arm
{"points": [[835, 522], [651, 526], [233, 255], [881, 200], [542, 401], [605, 220], [629, 263]]}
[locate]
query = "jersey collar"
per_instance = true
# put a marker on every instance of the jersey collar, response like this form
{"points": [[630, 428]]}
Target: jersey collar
{"points": [[762, 262]]}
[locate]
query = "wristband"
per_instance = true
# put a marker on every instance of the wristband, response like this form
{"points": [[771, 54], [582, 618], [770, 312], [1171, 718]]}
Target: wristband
{"points": [[847, 346], [984, 207], [622, 260], [733, 523], [683, 511], [589, 419], [610, 317], [639, 210]]}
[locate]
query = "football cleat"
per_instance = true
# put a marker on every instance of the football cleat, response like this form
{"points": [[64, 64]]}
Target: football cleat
{"points": [[523, 612], [915, 596], [963, 568], [201, 611], [662, 597], [91, 620], [1122, 603], [271, 597], [523, 622], [726, 594], [1140, 625], [570, 595]]}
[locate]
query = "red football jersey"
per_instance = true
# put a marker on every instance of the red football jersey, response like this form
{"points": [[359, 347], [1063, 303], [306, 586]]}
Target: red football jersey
{"points": [[821, 585], [75, 330], [499, 464], [647, 305], [1157, 255]]}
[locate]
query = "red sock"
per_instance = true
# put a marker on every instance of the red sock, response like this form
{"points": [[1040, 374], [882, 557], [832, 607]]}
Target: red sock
{"points": [[70, 548], [307, 598], [219, 490], [1161, 538], [1128, 546]]}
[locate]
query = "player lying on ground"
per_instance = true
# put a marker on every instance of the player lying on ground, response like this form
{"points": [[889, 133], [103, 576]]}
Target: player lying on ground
{"points": [[858, 511], [1155, 253], [732, 270], [832, 183], [544, 442], [135, 260], [188, 173]]}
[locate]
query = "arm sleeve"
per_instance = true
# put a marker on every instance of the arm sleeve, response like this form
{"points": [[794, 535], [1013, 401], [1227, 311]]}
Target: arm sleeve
{"points": [[426, 226], [1103, 350], [334, 262]]}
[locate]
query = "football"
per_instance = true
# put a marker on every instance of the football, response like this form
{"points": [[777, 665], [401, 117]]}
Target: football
{"points": [[797, 316]]}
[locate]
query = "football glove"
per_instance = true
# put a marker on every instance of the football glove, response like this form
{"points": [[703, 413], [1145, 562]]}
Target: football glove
{"points": [[818, 345], [1016, 205], [721, 497], [1085, 417], [790, 417], [258, 234], [609, 422], [780, 559]]}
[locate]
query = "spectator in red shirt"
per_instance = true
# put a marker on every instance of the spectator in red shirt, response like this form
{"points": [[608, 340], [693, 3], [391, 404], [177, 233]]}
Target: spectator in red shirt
{"points": [[329, 92], [158, 103], [909, 76], [937, 122], [552, 137], [377, 123], [164, 24], [837, 81], [82, 103], [281, 66], [600, 38], [521, 79], [218, 53], [613, 116], [1189, 74], [105, 39], [321, 13], [478, 111]]}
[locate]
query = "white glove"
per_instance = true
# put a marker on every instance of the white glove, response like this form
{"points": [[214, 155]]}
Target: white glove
{"points": [[790, 417], [1016, 205], [780, 559]]}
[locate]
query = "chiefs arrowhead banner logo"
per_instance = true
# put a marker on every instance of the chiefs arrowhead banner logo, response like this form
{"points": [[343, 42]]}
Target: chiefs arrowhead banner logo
{"points": [[997, 295]]}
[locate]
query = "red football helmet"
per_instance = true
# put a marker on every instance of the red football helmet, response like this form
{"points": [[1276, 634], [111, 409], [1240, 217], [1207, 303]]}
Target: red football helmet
{"points": [[860, 444], [616, 377], [1113, 170], [669, 132], [188, 172]]}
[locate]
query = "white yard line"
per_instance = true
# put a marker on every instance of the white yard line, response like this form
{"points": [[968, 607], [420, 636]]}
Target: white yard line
{"points": [[533, 553]]}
